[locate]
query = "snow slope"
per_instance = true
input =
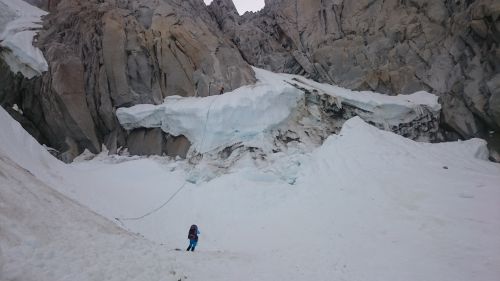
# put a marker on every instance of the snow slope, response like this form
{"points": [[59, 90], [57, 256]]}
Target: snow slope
{"points": [[18, 26], [45, 236], [366, 205]]}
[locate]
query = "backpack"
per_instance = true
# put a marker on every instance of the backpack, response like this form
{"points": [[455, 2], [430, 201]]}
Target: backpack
{"points": [[193, 232]]}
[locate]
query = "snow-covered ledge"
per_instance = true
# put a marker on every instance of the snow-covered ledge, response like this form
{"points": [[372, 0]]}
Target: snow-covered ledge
{"points": [[19, 24], [393, 110]]}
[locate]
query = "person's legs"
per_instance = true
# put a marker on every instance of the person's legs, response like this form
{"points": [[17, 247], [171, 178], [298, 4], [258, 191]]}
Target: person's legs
{"points": [[193, 245]]}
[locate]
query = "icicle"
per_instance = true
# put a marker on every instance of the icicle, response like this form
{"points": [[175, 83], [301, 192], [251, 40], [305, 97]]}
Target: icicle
{"points": [[386, 125], [419, 110], [338, 102]]}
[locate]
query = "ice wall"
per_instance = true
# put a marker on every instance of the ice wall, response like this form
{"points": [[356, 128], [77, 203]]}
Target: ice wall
{"points": [[249, 112]]}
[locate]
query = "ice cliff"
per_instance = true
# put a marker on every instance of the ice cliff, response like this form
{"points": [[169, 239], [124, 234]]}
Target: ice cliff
{"points": [[281, 103]]}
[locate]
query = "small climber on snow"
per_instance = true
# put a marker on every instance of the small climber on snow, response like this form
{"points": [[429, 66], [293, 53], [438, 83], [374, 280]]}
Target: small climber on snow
{"points": [[193, 237], [221, 91]]}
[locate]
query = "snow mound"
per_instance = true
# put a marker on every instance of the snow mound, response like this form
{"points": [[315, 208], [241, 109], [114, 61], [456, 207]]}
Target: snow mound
{"points": [[17, 31], [356, 131]]}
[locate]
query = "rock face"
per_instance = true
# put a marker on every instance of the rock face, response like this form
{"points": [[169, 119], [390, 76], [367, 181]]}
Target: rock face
{"points": [[155, 142], [449, 48], [108, 54]]}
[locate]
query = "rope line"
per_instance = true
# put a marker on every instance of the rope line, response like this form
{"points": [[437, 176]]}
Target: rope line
{"points": [[206, 123], [156, 209], [185, 182]]}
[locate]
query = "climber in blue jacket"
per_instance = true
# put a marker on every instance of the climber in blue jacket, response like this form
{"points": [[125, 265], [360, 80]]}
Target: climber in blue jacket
{"points": [[193, 237]]}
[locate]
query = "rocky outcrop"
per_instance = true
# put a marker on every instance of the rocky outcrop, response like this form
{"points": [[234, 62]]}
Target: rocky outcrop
{"points": [[391, 46], [155, 142], [17, 92], [108, 54]]}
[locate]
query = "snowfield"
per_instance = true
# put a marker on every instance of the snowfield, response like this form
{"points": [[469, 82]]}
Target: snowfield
{"points": [[366, 205], [19, 22]]}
